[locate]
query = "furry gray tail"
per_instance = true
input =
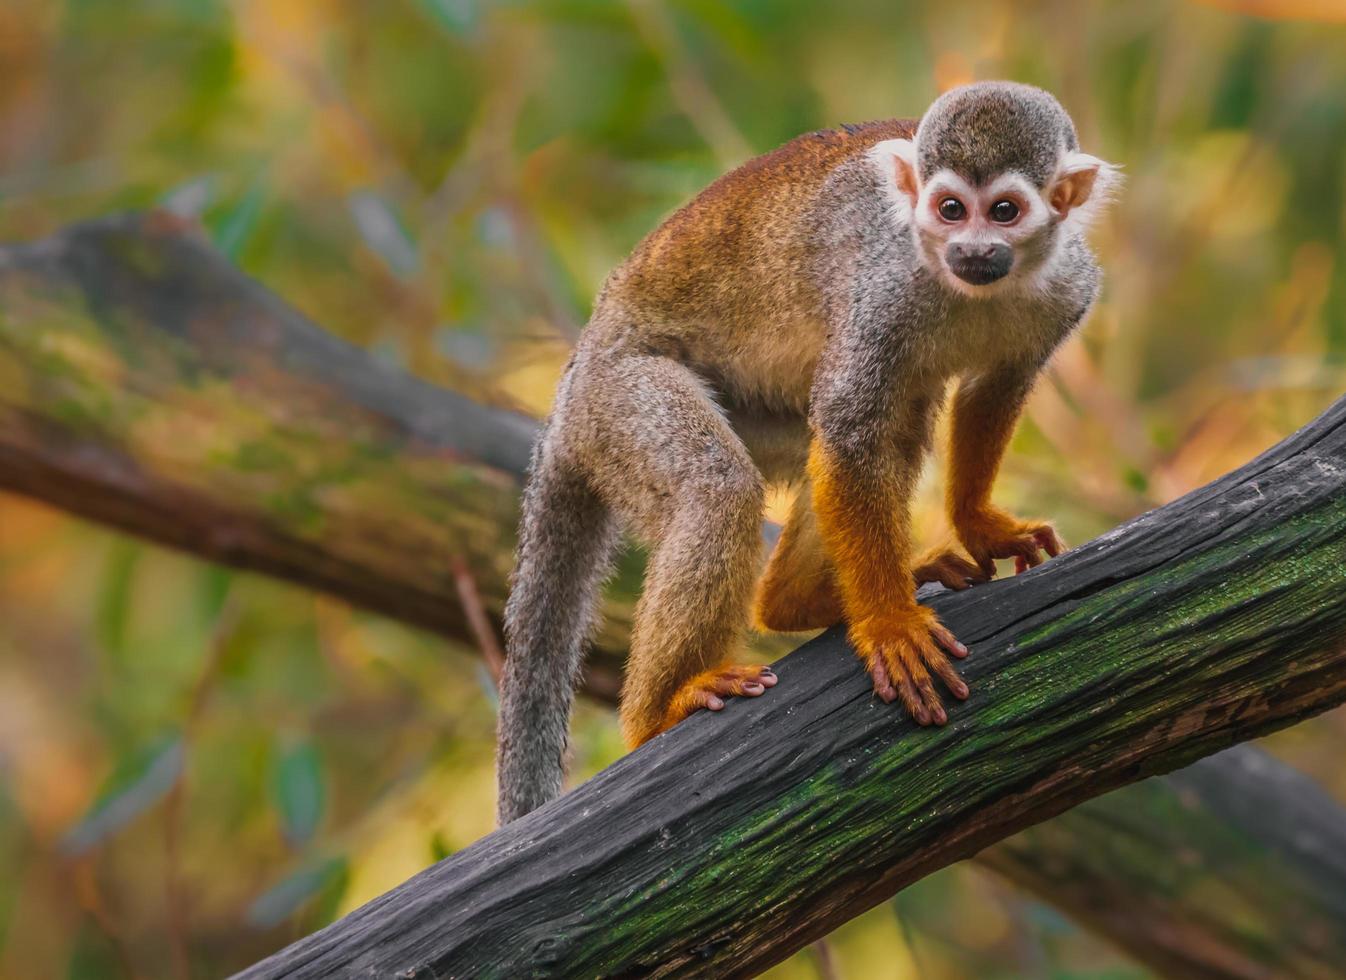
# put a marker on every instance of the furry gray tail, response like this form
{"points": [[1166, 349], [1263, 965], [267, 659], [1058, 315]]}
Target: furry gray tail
{"points": [[566, 538]]}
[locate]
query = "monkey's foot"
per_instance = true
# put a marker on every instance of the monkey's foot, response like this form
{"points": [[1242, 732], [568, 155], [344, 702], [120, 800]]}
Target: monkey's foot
{"points": [[904, 654], [709, 688], [994, 534], [949, 568]]}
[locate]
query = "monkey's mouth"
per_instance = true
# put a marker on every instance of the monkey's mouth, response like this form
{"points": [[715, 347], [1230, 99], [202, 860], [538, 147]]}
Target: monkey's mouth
{"points": [[979, 271]]}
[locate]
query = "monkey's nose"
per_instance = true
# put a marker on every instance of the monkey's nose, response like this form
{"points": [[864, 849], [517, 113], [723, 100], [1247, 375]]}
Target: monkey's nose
{"points": [[979, 264]]}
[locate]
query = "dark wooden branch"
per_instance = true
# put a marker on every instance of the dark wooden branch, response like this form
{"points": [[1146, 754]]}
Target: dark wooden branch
{"points": [[724, 845], [146, 383]]}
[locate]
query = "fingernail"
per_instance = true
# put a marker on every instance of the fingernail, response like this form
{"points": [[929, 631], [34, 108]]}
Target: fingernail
{"points": [[961, 691], [714, 704], [754, 688]]}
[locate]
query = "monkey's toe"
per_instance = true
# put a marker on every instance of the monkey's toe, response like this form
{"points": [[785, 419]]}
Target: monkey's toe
{"points": [[709, 688], [950, 569], [741, 681], [1026, 542]]}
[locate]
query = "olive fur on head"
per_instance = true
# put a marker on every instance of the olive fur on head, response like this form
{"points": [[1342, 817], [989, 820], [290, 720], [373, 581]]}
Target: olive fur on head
{"points": [[989, 128]]}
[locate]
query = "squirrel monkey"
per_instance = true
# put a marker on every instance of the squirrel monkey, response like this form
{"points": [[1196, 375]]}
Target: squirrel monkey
{"points": [[799, 321]]}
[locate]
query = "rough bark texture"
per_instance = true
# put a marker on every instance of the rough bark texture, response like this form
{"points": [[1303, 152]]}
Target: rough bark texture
{"points": [[146, 383]]}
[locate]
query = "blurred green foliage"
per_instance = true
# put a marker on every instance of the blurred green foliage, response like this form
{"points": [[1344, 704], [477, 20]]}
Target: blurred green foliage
{"points": [[195, 766]]}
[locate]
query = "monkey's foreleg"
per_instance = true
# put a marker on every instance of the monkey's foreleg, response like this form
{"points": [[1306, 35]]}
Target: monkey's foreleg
{"points": [[862, 514], [984, 414]]}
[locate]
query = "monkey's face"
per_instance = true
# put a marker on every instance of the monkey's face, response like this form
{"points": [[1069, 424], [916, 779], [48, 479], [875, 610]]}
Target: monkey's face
{"points": [[982, 234], [978, 235]]}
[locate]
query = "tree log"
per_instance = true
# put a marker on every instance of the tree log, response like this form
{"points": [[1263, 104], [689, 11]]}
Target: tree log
{"points": [[738, 837], [145, 383]]}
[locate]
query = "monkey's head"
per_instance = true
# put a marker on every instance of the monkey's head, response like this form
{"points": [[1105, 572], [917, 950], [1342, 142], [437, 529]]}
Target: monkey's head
{"points": [[995, 181]]}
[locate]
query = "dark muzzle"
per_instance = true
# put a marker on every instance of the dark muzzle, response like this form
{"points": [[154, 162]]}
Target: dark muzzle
{"points": [[979, 264]]}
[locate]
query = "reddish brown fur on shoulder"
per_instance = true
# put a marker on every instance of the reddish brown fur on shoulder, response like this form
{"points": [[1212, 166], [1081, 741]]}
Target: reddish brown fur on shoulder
{"points": [[760, 208]]}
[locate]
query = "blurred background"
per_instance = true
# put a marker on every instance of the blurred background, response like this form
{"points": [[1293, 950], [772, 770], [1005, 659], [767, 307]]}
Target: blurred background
{"points": [[197, 766]]}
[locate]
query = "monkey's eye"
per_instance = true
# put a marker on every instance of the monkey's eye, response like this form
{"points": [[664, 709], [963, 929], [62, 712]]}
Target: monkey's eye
{"points": [[1004, 212], [951, 209]]}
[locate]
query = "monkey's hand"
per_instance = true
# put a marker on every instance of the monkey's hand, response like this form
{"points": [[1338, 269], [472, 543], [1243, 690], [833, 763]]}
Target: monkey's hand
{"points": [[709, 688], [948, 567], [992, 533], [902, 652]]}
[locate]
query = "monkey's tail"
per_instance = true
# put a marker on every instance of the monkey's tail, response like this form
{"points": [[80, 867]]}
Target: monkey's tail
{"points": [[566, 538]]}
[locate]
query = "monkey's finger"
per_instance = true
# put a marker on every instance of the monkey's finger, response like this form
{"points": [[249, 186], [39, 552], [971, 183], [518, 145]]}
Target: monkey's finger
{"points": [[945, 638], [944, 577], [952, 578], [970, 570], [913, 669], [768, 677], [945, 672], [911, 700], [883, 685], [1049, 540], [1026, 557], [933, 704], [710, 701]]}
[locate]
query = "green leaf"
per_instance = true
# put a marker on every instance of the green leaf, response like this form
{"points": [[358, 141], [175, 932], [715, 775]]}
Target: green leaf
{"points": [[232, 230], [213, 590], [299, 792], [92, 956], [137, 783], [384, 233], [283, 899], [455, 16], [114, 599], [439, 846]]}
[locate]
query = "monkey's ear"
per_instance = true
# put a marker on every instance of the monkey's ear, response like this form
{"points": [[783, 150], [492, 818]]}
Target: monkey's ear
{"points": [[898, 160], [1075, 182]]}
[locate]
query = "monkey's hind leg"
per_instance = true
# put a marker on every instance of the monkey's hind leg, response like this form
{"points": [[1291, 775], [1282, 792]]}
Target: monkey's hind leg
{"points": [[949, 567], [799, 590], [676, 471]]}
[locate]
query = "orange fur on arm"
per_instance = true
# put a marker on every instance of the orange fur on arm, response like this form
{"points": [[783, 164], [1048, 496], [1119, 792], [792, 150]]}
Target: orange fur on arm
{"points": [[983, 418], [864, 524]]}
